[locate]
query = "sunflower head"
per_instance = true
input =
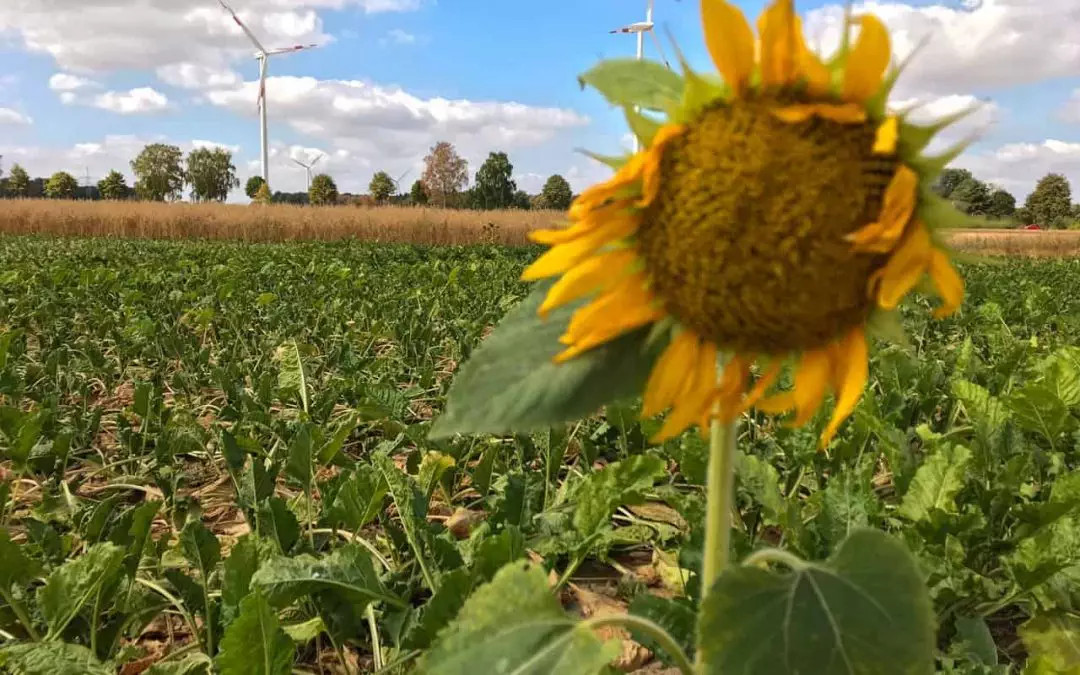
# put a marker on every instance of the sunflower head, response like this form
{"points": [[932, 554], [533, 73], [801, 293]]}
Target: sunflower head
{"points": [[774, 213]]}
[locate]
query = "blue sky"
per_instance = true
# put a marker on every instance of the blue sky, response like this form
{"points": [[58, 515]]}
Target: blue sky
{"points": [[84, 90]]}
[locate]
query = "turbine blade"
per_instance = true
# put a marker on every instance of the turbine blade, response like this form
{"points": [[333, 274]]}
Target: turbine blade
{"points": [[660, 48], [251, 36], [317, 160]]}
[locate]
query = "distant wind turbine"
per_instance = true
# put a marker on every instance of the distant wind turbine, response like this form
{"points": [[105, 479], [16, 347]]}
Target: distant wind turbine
{"points": [[397, 181], [309, 167], [262, 55], [640, 28]]}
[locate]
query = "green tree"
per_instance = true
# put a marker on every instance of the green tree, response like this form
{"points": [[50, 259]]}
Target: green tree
{"points": [[1050, 203], [252, 186], [323, 190], [381, 187], [61, 185], [113, 186], [262, 195], [211, 174], [18, 181], [1002, 204], [556, 193], [159, 172], [972, 196], [1024, 216], [521, 200], [418, 195], [949, 179], [445, 173], [495, 186]]}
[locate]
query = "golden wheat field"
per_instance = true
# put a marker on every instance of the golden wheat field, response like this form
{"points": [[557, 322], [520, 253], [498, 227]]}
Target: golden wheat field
{"points": [[400, 224]]}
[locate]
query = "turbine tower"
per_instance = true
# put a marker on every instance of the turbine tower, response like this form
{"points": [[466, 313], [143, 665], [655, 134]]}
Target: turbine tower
{"points": [[640, 28], [262, 55], [308, 167]]}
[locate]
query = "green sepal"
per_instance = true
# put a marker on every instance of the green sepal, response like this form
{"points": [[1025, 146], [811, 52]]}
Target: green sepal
{"points": [[928, 167], [644, 128], [913, 138], [630, 82], [698, 92], [511, 384], [614, 162]]}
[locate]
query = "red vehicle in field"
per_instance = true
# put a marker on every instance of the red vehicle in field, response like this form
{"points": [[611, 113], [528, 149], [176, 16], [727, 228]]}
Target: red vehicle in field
{"points": [[1032, 226]]}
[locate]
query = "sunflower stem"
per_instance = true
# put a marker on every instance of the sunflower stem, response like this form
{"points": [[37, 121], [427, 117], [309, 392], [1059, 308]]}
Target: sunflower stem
{"points": [[720, 487]]}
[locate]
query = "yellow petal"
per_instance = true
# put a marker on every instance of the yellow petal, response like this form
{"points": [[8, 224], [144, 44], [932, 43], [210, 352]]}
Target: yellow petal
{"points": [[565, 234], [948, 282], [868, 60], [850, 370], [629, 294], [811, 381], [730, 42], [596, 195], [896, 210], [670, 373], [695, 399], [778, 404], [594, 273], [562, 257], [781, 44], [817, 75], [761, 386], [650, 175], [625, 322], [733, 386], [904, 268], [888, 133], [843, 114]]}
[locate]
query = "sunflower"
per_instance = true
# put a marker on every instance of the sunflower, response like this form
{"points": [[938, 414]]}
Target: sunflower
{"points": [[772, 215]]}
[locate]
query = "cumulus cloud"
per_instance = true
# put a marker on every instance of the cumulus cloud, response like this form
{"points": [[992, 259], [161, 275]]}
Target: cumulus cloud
{"points": [[1017, 166], [214, 145], [9, 116], [396, 36], [68, 82], [138, 101], [978, 45], [196, 76]]}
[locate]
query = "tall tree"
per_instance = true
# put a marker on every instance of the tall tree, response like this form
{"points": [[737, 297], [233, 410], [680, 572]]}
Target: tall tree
{"points": [[113, 186], [323, 190], [445, 173], [211, 174], [556, 193], [251, 187], [159, 172], [18, 181], [972, 196], [521, 200], [1051, 201], [495, 186], [262, 193], [949, 179], [61, 185], [418, 195], [1002, 204], [381, 187]]}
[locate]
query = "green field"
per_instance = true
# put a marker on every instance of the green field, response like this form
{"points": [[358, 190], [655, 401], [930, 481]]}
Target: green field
{"points": [[219, 450]]}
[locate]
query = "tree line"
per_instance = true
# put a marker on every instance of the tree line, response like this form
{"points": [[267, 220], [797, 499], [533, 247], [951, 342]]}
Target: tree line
{"points": [[1049, 205]]}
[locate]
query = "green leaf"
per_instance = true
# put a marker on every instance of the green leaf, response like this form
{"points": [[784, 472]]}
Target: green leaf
{"points": [[75, 583], [1037, 408], [493, 553], [345, 572], [300, 456], [359, 499], [332, 447], [137, 535], [677, 616], [291, 377], [615, 485], [645, 128], [846, 504], [985, 411], [864, 611], [1060, 373], [200, 547], [762, 481], [440, 610], [15, 566], [980, 643], [510, 383], [432, 468], [255, 644], [277, 521], [193, 664], [936, 484], [411, 506], [50, 658], [237, 571], [1054, 638], [515, 625], [303, 633], [634, 83]]}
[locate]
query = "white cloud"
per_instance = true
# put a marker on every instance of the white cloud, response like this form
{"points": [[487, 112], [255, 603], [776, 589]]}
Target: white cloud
{"points": [[9, 116], [984, 44], [396, 36], [1017, 166], [196, 76], [982, 118], [138, 101], [67, 82], [212, 145]]}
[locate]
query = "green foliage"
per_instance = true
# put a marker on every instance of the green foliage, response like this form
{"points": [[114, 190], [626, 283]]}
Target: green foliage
{"points": [[18, 181], [1050, 204], [972, 196], [211, 174], [61, 185], [114, 186], [159, 172], [949, 180], [255, 642], [495, 186], [381, 187], [556, 193], [445, 174], [418, 196], [1002, 204], [50, 658], [323, 190], [253, 185], [632, 82]]}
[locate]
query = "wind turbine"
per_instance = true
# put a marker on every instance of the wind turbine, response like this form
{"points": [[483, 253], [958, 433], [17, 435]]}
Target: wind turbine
{"points": [[308, 168], [640, 28], [262, 55], [397, 181]]}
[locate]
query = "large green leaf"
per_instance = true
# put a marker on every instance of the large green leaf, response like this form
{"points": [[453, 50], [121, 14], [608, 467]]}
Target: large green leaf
{"points": [[200, 547], [635, 83], [440, 610], [255, 644], [346, 572], [615, 485], [863, 612], [1055, 639], [291, 377], [15, 566], [359, 499], [411, 506], [762, 481], [1060, 373], [299, 466], [515, 625], [239, 568], [75, 583], [193, 664], [986, 412], [50, 658], [936, 484], [511, 384], [1037, 408], [677, 616]]}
